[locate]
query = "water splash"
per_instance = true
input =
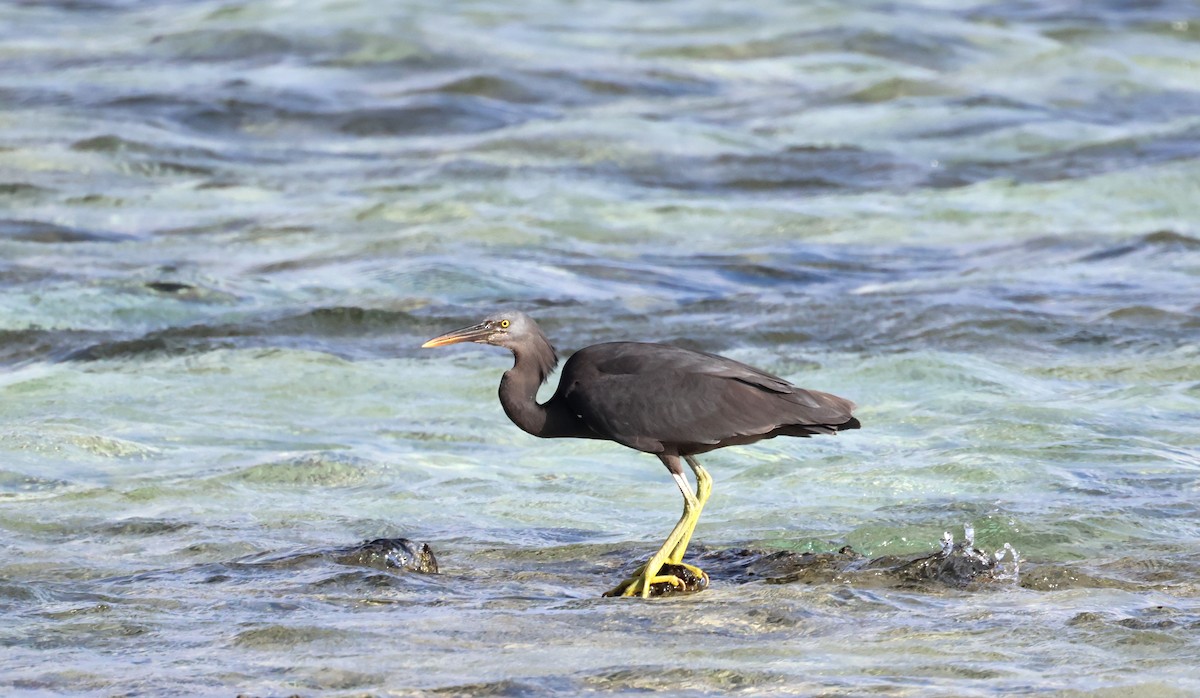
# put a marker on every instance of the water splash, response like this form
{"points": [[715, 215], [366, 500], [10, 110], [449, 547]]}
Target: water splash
{"points": [[947, 543], [1004, 565], [1010, 570]]}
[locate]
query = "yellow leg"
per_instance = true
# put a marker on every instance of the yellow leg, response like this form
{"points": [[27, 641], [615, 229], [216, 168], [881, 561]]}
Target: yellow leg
{"points": [[675, 546], [703, 492]]}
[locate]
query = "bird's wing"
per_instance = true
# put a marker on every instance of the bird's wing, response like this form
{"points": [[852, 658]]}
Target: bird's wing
{"points": [[648, 395]]}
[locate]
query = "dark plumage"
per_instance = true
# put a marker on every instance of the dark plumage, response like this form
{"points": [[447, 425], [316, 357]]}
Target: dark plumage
{"points": [[663, 399], [655, 398]]}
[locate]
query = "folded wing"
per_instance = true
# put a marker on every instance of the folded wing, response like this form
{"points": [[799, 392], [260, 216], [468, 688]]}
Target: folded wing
{"points": [[656, 397]]}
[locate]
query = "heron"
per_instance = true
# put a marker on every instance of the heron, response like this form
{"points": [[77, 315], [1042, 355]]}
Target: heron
{"points": [[660, 399]]}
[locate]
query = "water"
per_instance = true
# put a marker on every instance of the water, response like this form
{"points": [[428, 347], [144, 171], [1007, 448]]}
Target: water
{"points": [[227, 227]]}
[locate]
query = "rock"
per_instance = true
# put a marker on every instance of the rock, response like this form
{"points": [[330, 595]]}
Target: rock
{"points": [[388, 554]]}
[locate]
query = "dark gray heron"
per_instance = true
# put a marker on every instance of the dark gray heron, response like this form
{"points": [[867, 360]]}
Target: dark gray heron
{"points": [[671, 402]]}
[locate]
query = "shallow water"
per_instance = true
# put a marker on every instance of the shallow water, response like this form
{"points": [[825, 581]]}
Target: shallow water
{"points": [[227, 228]]}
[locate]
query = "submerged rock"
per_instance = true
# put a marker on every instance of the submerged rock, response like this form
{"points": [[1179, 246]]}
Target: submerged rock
{"points": [[388, 554], [691, 582], [955, 565], [746, 565], [959, 566]]}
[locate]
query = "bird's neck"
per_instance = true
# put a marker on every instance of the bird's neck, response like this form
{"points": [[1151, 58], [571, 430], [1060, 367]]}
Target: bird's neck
{"points": [[518, 396]]}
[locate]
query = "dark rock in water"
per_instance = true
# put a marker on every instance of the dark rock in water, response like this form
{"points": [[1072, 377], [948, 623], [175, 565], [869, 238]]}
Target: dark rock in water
{"points": [[742, 566], [691, 582], [955, 565], [1059, 577], [169, 286], [386, 554], [389, 554]]}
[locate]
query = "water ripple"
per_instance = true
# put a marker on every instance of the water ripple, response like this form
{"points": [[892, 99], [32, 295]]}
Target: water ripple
{"points": [[228, 228]]}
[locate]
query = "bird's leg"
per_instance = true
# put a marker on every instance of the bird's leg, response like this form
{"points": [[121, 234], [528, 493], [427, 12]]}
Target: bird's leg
{"points": [[703, 492], [703, 480], [648, 574]]}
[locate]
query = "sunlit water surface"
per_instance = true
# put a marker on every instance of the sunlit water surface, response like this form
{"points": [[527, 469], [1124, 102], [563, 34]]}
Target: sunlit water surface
{"points": [[226, 227]]}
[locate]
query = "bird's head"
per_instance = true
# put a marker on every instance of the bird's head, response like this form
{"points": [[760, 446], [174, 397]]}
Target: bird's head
{"points": [[509, 329], [512, 330]]}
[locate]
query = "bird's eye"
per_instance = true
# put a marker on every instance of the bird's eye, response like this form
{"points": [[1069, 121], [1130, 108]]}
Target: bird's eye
{"points": [[504, 324]]}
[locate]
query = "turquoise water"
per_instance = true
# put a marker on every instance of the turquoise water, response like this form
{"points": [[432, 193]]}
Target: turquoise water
{"points": [[226, 228]]}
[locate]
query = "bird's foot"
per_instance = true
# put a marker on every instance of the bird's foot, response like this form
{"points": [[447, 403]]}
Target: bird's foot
{"points": [[672, 578]]}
